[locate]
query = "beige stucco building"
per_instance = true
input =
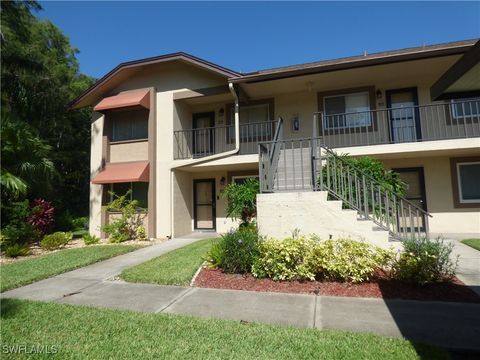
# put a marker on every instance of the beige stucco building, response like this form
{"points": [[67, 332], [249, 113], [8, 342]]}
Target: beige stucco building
{"points": [[178, 129]]}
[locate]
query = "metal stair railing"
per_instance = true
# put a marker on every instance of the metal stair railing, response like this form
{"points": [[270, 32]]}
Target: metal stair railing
{"points": [[343, 181], [269, 154]]}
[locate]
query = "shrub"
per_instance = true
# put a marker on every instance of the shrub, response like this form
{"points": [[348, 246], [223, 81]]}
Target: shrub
{"points": [[141, 233], [347, 260], [284, 259], [42, 216], [117, 231], [425, 261], [126, 226], [55, 240], [299, 258], [17, 235], [215, 256], [16, 229], [242, 200], [16, 250], [90, 239], [80, 223], [236, 251]]}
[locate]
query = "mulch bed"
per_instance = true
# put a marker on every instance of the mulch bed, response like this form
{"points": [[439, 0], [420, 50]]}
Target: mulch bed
{"points": [[380, 287]]}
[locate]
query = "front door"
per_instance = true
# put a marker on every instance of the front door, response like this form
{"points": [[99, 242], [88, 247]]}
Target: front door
{"points": [[204, 204], [203, 134], [415, 181], [404, 115]]}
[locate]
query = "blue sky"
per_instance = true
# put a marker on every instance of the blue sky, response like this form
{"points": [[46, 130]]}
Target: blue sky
{"points": [[247, 36]]}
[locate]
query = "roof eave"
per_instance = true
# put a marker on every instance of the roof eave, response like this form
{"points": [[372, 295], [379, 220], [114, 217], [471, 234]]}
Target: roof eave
{"points": [[77, 103], [356, 63]]}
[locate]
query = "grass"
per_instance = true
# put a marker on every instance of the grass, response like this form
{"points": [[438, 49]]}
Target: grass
{"points": [[174, 268], [30, 270], [80, 332], [474, 243]]}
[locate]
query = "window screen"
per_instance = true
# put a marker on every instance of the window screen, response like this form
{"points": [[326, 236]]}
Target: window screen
{"points": [[347, 111], [468, 181]]}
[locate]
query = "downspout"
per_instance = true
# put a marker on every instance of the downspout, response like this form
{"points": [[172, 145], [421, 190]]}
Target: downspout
{"points": [[237, 137], [209, 158]]}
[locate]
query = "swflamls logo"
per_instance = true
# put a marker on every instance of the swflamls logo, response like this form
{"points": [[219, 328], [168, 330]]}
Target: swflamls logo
{"points": [[29, 349]]}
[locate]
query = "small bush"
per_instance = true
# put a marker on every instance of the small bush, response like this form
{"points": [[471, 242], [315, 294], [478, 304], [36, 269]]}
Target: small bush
{"points": [[347, 260], [425, 261], [236, 251], [131, 218], [80, 223], [215, 256], [141, 233], [284, 259], [117, 231], [242, 200], [16, 250], [55, 240], [299, 258], [90, 239]]}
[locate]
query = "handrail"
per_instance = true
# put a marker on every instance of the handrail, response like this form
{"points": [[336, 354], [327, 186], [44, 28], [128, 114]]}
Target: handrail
{"points": [[448, 104], [268, 159], [343, 181], [369, 177], [415, 123]]}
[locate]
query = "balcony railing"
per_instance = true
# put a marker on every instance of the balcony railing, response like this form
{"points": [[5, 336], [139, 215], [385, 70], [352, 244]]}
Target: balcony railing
{"points": [[201, 142], [400, 124]]}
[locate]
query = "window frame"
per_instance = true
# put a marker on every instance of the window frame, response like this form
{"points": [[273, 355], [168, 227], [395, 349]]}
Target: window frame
{"points": [[459, 179], [229, 114], [372, 100], [132, 115], [454, 113], [139, 208], [346, 113], [235, 177], [456, 183]]}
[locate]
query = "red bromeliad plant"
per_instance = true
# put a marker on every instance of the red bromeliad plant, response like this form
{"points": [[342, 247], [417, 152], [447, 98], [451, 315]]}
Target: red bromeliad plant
{"points": [[42, 216]]}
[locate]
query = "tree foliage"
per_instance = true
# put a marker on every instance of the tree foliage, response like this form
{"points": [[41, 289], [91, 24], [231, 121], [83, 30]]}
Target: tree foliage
{"points": [[45, 146], [242, 200]]}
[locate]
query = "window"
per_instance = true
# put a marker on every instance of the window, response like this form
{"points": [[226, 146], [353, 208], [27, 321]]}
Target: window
{"points": [[240, 179], [255, 120], [129, 125], [468, 177], [347, 111], [139, 192], [466, 108]]}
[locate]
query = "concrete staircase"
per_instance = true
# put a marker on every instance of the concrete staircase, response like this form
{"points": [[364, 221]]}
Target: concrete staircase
{"points": [[280, 214]]}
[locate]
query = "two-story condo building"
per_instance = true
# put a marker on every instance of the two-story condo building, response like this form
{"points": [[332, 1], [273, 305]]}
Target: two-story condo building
{"points": [[177, 129]]}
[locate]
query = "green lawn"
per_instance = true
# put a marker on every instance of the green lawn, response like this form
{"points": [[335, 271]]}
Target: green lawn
{"points": [[30, 270], [80, 332], [474, 243], [174, 268]]}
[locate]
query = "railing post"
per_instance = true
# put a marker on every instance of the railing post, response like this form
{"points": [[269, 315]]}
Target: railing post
{"points": [[365, 197]]}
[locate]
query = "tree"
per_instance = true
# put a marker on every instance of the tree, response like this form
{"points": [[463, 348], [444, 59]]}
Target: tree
{"points": [[45, 147], [242, 200]]}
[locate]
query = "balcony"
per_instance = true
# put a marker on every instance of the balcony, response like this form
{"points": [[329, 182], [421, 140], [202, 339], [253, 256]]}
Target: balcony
{"points": [[455, 120], [206, 141]]}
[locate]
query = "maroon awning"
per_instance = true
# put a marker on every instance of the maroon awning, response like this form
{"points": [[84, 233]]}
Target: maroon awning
{"points": [[137, 171], [125, 99]]}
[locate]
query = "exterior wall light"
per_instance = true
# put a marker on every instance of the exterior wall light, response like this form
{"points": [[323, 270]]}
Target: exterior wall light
{"points": [[379, 94]]}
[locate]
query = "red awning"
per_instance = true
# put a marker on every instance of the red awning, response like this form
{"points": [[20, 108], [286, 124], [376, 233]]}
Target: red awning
{"points": [[123, 172], [125, 99]]}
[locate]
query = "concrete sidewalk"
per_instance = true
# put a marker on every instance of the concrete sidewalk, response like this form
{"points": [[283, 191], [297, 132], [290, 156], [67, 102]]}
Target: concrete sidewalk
{"points": [[468, 265], [451, 325]]}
